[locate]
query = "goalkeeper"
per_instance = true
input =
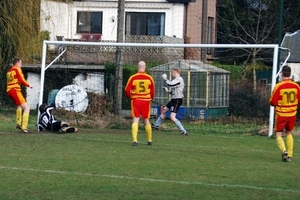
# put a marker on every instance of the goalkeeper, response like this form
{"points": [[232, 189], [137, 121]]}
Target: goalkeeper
{"points": [[47, 121], [177, 87]]}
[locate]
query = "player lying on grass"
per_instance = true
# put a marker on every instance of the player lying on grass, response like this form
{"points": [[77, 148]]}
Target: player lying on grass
{"points": [[47, 121]]}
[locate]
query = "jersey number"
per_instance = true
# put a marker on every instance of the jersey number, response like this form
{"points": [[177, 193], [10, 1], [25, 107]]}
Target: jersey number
{"points": [[142, 87], [288, 97]]}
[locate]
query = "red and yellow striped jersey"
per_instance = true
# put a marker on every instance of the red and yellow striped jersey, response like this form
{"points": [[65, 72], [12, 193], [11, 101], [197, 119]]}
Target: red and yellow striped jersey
{"points": [[140, 86], [15, 78], [285, 97]]}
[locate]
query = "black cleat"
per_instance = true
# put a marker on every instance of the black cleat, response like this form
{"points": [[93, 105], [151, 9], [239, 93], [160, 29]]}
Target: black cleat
{"points": [[18, 127], [284, 156], [154, 127], [134, 144], [150, 143], [184, 133], [68, 129]]}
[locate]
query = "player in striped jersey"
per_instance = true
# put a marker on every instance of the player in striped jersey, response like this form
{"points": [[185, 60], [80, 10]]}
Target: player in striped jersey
{"points": [[140, 89], [15, 79], [285, 98]]}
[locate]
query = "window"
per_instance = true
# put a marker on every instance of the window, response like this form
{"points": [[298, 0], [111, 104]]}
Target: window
{"points": [[145, 23], [89, 22]]}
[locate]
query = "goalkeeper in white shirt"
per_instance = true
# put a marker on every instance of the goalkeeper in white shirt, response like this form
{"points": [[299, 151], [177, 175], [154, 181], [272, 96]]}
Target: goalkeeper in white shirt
{"points": [[176, 90]]}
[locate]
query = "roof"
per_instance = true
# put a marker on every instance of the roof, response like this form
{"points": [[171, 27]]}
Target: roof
{"points": [[291, 41], [189, 65]]}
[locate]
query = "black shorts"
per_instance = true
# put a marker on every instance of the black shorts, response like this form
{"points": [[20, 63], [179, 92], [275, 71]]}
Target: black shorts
{"points": [[56, 126], [174, 105]]}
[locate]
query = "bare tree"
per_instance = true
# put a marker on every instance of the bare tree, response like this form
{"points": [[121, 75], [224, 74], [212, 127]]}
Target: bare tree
{"points": [[248, 22]]}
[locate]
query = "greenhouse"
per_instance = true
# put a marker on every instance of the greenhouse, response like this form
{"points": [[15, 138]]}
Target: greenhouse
{"points": [[206, 88]]}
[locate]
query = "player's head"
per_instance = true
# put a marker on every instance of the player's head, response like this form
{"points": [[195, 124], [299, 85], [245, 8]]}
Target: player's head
{"points": [[17, 62], [286, 71], [141, 66], [42, 107], [176, 72]]}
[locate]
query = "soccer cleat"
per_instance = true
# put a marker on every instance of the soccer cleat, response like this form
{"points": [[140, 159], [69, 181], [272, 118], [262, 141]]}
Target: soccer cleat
{"points": [[184, 133], [25, 131], [150, 143], [69, 129], [154, 127], [284, 156], [18, 127], [134, 144], [289, 159]]}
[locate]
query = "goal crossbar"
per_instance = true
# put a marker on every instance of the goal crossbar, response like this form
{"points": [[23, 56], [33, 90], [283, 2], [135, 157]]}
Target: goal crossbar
{"points": [[275, 48]]}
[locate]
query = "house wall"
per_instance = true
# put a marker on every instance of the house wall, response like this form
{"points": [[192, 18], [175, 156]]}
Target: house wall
{"points": [[60, 18], [295, 74], [195, 23]]}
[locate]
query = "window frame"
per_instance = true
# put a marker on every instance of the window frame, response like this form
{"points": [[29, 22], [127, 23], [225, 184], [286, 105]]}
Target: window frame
{"points": [[89, 26], [144, 27]]}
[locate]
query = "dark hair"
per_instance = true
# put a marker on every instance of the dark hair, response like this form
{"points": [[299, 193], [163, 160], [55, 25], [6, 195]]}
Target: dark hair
{"points": [[42, 107], [16, 60], [286, 71]]}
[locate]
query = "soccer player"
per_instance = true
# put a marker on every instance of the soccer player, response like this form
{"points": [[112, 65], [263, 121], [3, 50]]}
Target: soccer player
{"points": [[15, 79], [47, 121], [285, 97], [140, 89], [176, 90]]}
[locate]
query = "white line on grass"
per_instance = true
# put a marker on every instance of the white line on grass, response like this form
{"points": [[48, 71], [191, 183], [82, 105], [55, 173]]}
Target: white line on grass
{"points": [[179, 145], [150, 179]]}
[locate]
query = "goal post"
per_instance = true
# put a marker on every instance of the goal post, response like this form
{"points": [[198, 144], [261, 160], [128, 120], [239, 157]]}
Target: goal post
{"points": [[45, 66]]}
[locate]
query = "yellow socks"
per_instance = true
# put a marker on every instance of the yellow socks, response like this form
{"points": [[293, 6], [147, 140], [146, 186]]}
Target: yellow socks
{"points": [[134, 131], [280, 144], [148, 130], [25, 121], [290, 144], [19, 116]]}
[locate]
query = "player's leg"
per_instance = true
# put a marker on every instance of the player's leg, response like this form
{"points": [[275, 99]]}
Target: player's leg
{"points": [[25, 118], [19, 117], [289, 137], [64, 127], [178, 124], [162, 116], [135, 113], [289, 145], [14, 96], [146, 117], [20, 101], [134, 130], [176, 103], [279, 127]]}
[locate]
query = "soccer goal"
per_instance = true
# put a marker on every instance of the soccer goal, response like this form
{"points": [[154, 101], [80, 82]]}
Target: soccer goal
{"points": [[216, 95]]}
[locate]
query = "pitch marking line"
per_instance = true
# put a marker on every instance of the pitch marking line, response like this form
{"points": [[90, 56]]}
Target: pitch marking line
{"points": [[165, 144], [149, 179]]}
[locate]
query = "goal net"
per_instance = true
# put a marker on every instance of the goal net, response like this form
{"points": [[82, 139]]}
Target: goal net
{"points": [[221, 95]]}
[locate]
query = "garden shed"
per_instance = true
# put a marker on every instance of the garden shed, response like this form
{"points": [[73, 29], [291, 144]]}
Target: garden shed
{"points": [[206, 88]]}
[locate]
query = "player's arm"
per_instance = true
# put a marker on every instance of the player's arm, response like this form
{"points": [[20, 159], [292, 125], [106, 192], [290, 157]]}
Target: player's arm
{"points": [[21, 78], [173, 83], [274, 97], [128, 88], [41, 128], [152, 89]]}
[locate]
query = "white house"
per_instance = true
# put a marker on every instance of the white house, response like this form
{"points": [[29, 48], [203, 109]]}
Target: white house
{"points": [[142, 17]]}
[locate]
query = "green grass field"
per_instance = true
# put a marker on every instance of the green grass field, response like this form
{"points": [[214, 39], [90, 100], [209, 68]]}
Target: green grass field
{"points": [[102, 164]]}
